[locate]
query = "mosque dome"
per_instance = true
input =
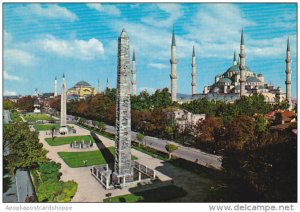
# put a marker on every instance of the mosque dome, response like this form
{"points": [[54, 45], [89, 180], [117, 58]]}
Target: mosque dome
{"points": [[259, 75], [82, 84], [252, 79], [225, 80], [236, 69]]}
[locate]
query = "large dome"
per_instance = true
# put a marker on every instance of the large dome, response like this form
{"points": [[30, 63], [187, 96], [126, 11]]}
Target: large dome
{"points": [[236, 68], [82, 84]]}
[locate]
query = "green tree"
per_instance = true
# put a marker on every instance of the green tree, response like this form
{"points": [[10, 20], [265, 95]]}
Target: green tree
{"points": [[260, 124], [140, 137], [25, 151], [8, 105], [101, 126], [171, 148], [278, 118]]}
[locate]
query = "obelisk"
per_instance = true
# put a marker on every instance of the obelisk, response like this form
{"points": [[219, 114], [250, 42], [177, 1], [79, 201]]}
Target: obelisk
{"points": [[55, 87], [63, 109], [123, 171]]}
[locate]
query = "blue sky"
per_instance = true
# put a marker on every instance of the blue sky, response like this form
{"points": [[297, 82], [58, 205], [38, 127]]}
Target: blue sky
{"points": [[42, 41]]}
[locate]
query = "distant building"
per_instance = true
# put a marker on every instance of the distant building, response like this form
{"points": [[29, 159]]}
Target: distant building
{"points": [[81, 90], [37, 106], [184, 118], [285, 115]]}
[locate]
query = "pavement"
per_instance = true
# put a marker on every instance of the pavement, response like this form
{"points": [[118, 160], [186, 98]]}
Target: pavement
{"points": [[90, 190], [188, 153]]}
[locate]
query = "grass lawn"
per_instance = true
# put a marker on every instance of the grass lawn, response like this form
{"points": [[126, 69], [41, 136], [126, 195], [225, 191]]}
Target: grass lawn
{"points": [[161, 194], [35, 117], [75, 159], [56, 141], [44, 127]]}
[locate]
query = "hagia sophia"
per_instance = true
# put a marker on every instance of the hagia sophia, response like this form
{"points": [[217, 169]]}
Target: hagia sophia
{"points": [[238, 80]]}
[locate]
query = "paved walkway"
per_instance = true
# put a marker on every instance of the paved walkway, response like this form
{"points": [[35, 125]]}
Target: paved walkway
{"points": [[90, 190]]}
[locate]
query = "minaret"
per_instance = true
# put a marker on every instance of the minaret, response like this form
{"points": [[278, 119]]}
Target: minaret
{"points": [[99, 86], [123, 171], [107, 84], [133, 71], [193, 72], [173, 74], [234, 59], [55, 87], [242, 66], [36, 92], [288, 74], [63, 109]]}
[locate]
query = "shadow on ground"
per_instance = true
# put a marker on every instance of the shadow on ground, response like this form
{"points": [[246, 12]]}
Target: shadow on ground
{"points": [[109, 157]]}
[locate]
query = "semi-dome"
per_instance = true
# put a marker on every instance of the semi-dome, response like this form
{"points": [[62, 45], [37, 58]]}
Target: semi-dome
{"points": [[252, 79], [82, 84], [236, 68], [225, 80]]}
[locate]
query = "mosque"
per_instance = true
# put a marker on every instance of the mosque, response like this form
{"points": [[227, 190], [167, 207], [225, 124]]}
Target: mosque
{"points": [[238, 80], [81, 90]]}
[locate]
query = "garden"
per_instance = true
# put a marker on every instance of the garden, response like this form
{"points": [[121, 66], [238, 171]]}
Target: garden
{"points": [[56, 141]]}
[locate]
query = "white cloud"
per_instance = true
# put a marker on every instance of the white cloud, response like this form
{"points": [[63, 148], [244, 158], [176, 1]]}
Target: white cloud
{"points": [[10, 93], [51, 11], [105, 8], [11, 77], [79, 49], [173, 11], [17, 56], [158, 65], [7, 38]]}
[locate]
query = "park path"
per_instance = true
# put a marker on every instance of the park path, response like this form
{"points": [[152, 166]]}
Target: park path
{"points": [[90, 190]]}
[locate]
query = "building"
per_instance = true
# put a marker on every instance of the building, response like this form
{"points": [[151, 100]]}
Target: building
{"points": [[81, 90], [37, 106], [227, 85], [184, 118]]}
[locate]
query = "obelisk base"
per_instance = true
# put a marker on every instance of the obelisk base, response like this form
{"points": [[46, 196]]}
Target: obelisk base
{"points": [[122, 180], [63, 130]]}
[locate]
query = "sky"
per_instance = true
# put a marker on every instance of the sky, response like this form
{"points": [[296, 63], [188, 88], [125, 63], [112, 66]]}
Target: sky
{"points": [[42, 41]]}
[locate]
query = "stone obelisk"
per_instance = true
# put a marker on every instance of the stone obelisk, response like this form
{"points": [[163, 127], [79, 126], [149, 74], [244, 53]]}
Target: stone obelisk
{"points": [[123, 171], [133, 71], [55, 87], [63, 110]]}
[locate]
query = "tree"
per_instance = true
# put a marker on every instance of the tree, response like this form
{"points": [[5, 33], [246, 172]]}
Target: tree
{"points": [[8, 105], [25, 151], [101, 126], [278, 118], [260, 124], [205, 131], [171, 148], [239, 132], [95, 123], [25, 103], [140, 137]]}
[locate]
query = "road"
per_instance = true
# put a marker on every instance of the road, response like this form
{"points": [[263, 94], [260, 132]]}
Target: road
{"points": [[188, 153]]}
